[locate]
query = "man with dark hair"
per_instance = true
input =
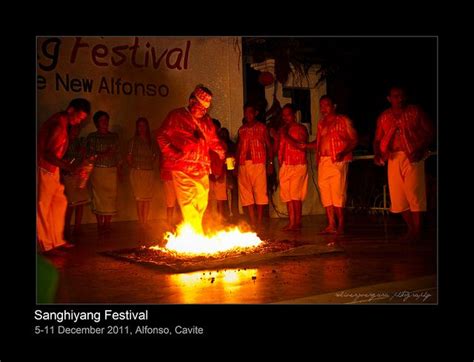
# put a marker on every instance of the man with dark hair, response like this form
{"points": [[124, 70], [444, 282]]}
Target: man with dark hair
{"points": [[293, 169], [52, 144], [81, 104], [254, 151], [335, 140], [402, 137], [185, 138]]}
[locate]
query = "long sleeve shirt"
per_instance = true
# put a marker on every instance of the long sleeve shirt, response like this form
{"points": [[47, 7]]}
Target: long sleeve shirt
{"points": [[185, 143]]}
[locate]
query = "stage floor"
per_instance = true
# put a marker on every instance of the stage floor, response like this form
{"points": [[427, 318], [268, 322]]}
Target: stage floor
{"points": [[372, 267]]}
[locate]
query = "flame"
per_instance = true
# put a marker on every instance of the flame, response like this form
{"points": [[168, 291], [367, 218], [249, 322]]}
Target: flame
{"points": [[189, 242]]}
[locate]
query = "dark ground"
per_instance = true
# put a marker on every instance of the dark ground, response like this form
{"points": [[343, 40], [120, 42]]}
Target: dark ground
{"points": [[383, 269]]}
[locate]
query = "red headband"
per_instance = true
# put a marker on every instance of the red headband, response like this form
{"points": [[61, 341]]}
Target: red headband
{"points": [[203, 97]]}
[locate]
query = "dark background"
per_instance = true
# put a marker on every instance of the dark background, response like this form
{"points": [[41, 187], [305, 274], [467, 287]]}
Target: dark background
{"points": [[358, 71]]}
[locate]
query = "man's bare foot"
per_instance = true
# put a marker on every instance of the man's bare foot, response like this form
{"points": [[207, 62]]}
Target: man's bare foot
{"points": [[329, 230], [286, 227], [295, 227], [66, 246]]}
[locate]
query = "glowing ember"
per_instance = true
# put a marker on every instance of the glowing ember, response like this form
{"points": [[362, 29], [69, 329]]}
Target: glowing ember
{"points": [[187, 241]]}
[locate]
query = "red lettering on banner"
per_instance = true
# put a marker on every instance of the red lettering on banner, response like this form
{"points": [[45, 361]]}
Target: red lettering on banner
{"points": [[138, 56], [103, 55], [99, 51], [76, 47], [118, 50]]}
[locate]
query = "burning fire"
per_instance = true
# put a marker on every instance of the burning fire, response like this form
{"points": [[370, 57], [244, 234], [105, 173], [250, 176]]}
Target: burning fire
{"points": [[188, 242]]}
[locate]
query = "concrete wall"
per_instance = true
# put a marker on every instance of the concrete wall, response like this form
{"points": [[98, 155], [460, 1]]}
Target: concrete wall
{"points": [[129, 77]]}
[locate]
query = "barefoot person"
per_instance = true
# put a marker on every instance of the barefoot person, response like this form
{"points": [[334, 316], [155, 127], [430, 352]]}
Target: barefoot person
{"points": [[254, 152], [107, 170], [335, 140], [293, 173], [52, 144], [141, 158], [402, 137], [185, 138]]}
